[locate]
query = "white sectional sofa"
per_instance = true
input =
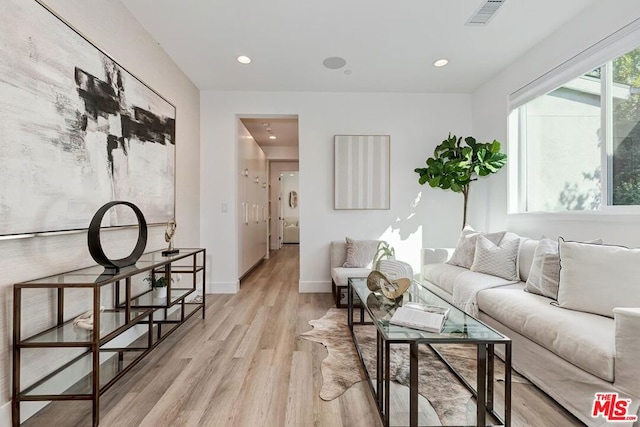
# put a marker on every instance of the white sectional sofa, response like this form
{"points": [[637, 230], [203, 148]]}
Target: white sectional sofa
{"points": [[571, 355]]}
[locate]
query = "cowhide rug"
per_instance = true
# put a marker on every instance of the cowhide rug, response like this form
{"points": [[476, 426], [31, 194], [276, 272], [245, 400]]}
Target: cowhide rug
{"points": [[341, 368]]}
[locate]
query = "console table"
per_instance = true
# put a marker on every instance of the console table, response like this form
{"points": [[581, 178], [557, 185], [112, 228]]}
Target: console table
{"points": [[459, 328], [132, 322]]}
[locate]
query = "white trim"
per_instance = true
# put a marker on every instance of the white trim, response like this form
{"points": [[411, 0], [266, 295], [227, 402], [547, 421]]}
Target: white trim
{"points": [[618, 43], [223, 287], [310, 287], [606, 132], [5, 414], [616, 215]]}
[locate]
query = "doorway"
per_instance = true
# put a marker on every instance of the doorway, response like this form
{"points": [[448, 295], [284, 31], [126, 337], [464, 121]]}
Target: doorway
{"points": [[289, 208], [277, 137]]}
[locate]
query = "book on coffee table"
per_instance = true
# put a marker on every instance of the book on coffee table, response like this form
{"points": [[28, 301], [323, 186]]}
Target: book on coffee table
{"points": [[430, 318]]}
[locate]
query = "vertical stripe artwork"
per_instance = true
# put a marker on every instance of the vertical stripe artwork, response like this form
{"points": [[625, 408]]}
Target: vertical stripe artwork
{"points": [[362, 172]]}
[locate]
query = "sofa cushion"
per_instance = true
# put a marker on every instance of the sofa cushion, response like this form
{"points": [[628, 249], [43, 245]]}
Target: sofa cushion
{"points": [[466, 247], [583, 339], [340, 275], [497, 259], [461, 284], [442, 275], [360, 253], [545, 270], [597, 278]]}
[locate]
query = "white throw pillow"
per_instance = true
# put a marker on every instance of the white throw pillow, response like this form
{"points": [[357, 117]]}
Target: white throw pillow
{"points": [[597, 278], [499, 260], [464, 253], [360, 253], [545, 270], [544, 275]]}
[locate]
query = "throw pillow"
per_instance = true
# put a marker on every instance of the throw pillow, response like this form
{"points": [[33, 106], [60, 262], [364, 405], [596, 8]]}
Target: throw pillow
{"points": [[464, 253], [545, 270], [597, 278], [544, 275], [360, 253], [499, 260]]}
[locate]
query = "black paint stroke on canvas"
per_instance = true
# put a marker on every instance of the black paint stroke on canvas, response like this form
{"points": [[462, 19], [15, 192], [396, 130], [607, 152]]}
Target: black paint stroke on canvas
{"points": [[107, 98]]}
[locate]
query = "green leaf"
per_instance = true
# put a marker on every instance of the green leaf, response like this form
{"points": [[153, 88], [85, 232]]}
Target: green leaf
{"points": [[495, 146], [434, 182], [423, 179]]}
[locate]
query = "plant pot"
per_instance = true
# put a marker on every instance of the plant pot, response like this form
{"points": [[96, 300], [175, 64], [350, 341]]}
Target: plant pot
{"points": [[160, 292]]}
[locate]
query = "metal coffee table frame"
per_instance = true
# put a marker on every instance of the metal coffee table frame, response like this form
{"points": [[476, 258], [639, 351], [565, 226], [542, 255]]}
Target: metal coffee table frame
{"points": [[484, 363]]}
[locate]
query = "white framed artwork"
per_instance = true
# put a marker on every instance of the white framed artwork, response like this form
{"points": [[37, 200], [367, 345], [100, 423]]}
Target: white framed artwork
{"points": [[362, 171]]}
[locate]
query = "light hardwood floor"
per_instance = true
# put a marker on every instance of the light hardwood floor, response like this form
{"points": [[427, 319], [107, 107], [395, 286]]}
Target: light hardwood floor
{"points": [[244, 366]]}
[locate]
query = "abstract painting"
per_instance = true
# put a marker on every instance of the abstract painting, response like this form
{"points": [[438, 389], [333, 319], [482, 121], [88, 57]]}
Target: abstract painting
{"points": [[76, 130], [362, 172]]}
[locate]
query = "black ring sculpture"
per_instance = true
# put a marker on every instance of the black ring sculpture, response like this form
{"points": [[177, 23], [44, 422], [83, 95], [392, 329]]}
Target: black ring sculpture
{"points": [[95, 246]]}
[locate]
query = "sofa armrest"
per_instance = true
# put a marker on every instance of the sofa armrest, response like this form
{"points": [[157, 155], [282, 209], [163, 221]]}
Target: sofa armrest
{"points": [[338, 253], [434, 256], [627, 368]]}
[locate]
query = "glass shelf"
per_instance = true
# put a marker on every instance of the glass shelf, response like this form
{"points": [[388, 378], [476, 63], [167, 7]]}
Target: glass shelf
{"points": [[99, 276], [146, 300], [189, 308], [133, 323], [110, 366], [110, 321]]}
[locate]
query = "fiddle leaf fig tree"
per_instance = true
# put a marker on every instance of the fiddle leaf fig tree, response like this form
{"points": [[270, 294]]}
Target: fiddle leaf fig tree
{"points": [[455, 165]]}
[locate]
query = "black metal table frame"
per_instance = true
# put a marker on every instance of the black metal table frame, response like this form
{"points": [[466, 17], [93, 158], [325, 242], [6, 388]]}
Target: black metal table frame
{"points": [[94, 345], [484, 365]]}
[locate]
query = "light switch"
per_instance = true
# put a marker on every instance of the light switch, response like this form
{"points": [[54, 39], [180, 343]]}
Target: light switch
{"points": [[224, 208]]}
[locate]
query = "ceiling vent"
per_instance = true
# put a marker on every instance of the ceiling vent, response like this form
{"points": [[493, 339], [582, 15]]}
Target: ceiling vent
{"points": [[486, 11]]}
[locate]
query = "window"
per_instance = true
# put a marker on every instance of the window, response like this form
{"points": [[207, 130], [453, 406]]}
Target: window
{"points": [[578, 146]]}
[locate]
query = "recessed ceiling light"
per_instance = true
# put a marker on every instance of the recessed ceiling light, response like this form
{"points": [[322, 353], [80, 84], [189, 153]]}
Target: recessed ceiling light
{"points": [[265, 124], [441, 62], [334, 62], [244, 59], [272, 137]]}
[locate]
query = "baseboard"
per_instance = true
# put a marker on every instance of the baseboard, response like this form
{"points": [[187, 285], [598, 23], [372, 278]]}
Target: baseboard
{"points": [[314, 287], [223, 287], [5, 414]]}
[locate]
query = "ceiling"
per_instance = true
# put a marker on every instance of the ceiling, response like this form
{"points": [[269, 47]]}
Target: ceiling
{"points": [[389, 45], [284, 129]]}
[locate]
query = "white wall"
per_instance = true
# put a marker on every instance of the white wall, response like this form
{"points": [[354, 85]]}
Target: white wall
{"points": [[252, 202], [110, 26], [418, 216], [490, 111]]}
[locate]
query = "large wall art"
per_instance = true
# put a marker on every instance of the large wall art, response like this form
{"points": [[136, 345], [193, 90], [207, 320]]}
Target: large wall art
{"points": [[362, 172], [76, 130]]}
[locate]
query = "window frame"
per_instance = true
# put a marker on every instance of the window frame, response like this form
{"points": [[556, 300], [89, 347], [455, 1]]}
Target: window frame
{"points": [[599, 55]]}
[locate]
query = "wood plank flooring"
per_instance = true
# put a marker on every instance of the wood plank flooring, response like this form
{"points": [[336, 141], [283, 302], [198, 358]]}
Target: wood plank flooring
{"points": [[244, 366]]}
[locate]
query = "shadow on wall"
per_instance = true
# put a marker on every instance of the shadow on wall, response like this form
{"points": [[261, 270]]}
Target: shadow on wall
{"points": [[431, 219]]}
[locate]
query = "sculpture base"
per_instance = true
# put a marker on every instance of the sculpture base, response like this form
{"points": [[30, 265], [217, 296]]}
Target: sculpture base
{"points": [[170, 252]]}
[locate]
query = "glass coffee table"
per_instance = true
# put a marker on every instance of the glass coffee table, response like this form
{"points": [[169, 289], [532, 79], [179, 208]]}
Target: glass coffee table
{"points": [[460, 328]]}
